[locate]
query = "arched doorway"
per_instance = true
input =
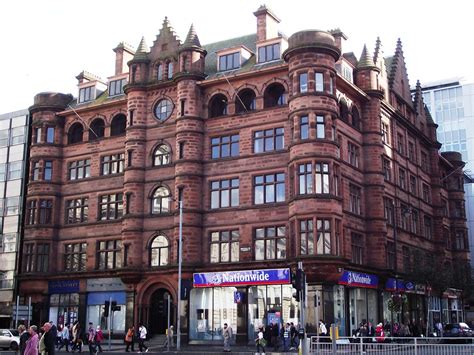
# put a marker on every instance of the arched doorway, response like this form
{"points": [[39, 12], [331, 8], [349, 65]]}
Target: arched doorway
{"points": [[158, 316]]}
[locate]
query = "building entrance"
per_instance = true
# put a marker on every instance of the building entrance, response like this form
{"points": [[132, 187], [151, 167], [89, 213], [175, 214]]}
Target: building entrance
{"points": [[158, 316]]}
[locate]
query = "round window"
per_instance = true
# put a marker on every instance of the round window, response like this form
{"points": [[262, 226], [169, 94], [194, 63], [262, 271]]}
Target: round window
{"points": [[163, 109]]}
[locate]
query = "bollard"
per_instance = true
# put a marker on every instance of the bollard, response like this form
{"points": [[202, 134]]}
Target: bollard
{"points": [[333, 338]]}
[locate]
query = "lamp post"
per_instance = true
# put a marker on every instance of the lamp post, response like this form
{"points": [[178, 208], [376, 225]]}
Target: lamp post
{"points": [[180, 257]]}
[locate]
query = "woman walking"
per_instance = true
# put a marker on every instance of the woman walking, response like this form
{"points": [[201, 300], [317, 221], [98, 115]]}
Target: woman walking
{"points": [[32, 343], [261, 342]]}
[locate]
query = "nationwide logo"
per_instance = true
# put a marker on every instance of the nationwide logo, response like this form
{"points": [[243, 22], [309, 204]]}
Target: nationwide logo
{"points": [[358, 278], [248, 277]]}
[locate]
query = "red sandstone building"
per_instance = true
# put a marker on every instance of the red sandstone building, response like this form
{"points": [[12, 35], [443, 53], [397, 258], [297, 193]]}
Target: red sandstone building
{"points": [[282, 150]]}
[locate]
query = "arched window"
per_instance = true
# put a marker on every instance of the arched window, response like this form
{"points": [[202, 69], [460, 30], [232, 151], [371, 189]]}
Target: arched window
{"points": [[159, 251], [170, 70], [344, 110], [161, 201], [274, 95], [245, 101], [218, 106], [162, 155], [355, 118], [119, 123], [159, 72], [75, 133], [96, 129]]}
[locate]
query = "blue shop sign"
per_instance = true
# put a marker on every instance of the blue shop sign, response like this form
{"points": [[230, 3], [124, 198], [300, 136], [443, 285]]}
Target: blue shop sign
{"points": [[357, 279], [241, 278], [410, 286], [63, 286], [394, 285]]}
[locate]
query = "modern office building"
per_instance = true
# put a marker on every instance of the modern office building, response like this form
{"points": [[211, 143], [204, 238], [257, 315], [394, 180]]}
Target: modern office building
{"points": [[13, 153], [281, 150], [451, 104]]}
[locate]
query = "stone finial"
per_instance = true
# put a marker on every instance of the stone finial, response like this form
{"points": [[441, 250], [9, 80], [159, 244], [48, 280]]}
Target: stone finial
{"points": [[378, 52]]}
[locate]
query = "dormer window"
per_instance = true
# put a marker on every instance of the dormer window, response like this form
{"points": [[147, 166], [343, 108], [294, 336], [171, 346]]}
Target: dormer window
{"points": [[86, 94], [229, 61], [116, 87], [269, 52]]}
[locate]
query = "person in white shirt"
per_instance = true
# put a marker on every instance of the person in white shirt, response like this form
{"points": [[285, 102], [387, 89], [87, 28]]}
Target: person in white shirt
{"points": [[141, 338], [322, 328]]}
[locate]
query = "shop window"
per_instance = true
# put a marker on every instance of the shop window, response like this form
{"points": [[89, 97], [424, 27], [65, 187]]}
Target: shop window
{"points": [[245, 101], [118, 125], [270, 243], [75, 133], [75, 257], [269, 188], [161, 155], [218, 106], [110, 206], [224, 246], [77, 210], [109, 254], [268, 140], [357, 246], [225, 146], [96, 129], [112, 164], [79, 169], [225, 193], [274, 95], [159, 251], [161, 201]]}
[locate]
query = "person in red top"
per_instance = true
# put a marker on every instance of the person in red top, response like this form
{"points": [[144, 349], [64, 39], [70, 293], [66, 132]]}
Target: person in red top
{"points": [[99, 336], [379, 333]]}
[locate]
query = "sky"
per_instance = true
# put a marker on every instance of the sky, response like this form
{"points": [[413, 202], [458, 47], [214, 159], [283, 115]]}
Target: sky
{"points": [[46, 43]]}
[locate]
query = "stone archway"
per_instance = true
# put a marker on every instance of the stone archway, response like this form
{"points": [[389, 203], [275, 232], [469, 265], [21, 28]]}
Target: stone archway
{"points": [[158, 311]]}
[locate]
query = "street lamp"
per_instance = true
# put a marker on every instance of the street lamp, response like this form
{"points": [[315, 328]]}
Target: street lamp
{"points": [[180, 257]]}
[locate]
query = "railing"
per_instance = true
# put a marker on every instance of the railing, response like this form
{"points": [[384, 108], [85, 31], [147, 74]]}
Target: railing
{"points": [[392, 346]]}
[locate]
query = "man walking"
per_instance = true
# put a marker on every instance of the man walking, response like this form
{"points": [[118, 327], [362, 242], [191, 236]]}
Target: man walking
{"points": [[141, 338], [49, 339]]}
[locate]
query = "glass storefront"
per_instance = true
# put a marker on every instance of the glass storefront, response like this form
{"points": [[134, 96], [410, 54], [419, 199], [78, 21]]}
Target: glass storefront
{"points": [[362, 307], [64, 308], [244, 309], [95, 310]]}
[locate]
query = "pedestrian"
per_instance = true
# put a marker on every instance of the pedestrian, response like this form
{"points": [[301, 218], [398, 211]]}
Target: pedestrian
{"points": [[54, 333], [32, 343], [379, 333], [48, 340], [65, 338], [142, 332], [227, 334], [99, 336], [23, 338], [275, 335], [129, 338], [76, 337], [285, 336], [261, 342], [322, 329], [169, 337], [294, 336], [91, 339]]}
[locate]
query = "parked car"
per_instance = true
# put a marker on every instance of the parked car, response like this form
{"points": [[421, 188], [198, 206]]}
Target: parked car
{"points": [[458, 330], [9, 339]]}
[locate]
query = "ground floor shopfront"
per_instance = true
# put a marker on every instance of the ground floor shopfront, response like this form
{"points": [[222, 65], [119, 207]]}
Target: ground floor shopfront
{"points": [[245, 300]]}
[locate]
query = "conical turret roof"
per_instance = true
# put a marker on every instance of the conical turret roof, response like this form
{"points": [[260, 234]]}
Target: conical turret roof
{"points": [[192, 39], [365, 60], [142, 50]]}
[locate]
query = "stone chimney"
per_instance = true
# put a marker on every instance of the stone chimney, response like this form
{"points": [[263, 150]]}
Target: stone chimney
{"points": [[123, 53], [267, 24]]}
